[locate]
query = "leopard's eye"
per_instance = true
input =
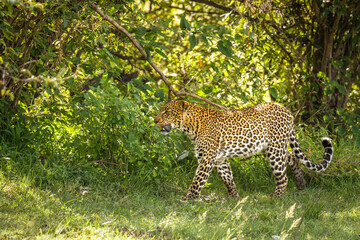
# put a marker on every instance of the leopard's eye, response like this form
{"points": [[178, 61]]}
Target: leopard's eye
{"points": [[167, 113]]}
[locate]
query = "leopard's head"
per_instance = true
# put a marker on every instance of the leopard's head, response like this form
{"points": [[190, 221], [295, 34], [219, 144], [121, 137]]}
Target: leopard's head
{"points": [[171, 115]]}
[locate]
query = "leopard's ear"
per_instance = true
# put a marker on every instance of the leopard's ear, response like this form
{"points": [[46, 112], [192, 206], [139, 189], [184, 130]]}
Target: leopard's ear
{"points": [[183, 104]]}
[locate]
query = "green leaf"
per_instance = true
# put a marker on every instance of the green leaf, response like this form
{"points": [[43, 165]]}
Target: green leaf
{"points": [[321, 75], [140, 31], [132, 137], [51, 54], [62, 72], [147, 50], [161, 53], [224, 46], [192, 40], [355, 130], [340, 111], [108, 53], [160, 94], [183, 23], [204, 39], [341, 88], [273, 93], [222, 31], [165, 23], [315, 86]]}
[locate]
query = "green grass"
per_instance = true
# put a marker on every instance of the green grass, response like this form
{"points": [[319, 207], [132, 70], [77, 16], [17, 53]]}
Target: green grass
{"points": [[53, 201], [329, 208]]}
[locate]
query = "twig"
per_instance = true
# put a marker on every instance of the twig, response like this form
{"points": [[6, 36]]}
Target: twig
{"points": [[219, 6], [153, 65], [124, 57], [29, 62], [192, 11]]}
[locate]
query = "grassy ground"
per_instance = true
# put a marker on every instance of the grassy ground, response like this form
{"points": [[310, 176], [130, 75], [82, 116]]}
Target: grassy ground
{"points": [[39, 201], [329, 208]]}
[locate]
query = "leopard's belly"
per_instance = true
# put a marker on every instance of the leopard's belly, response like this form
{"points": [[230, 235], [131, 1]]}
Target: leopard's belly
{"points": [[241, 149]]}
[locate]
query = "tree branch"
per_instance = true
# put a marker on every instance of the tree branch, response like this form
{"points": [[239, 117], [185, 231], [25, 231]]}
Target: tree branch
{"points": [[153, 65], [219, 6], [119, 55], [193, 11]]}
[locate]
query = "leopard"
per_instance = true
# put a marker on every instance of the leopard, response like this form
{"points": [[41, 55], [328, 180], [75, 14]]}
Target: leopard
{"points": [[266, 128]]}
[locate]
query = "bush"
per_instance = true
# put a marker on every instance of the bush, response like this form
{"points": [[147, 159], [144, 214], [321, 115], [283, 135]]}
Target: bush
{"points": [[107, 133]]}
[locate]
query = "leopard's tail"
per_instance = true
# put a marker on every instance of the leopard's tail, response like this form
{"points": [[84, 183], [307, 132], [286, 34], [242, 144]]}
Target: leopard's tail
{"points": [[300, 155]]}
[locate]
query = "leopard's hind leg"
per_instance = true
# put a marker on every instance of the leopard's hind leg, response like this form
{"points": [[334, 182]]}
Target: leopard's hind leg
{"points": [[293, 162], [277, 159], [224, 170]]}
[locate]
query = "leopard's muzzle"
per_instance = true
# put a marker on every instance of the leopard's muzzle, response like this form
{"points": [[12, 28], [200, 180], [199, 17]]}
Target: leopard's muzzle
{"points": [[165, 129]]}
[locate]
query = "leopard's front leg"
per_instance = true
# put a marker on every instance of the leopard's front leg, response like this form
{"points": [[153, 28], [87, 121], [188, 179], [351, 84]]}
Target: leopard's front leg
{"points": [[206, 164]]}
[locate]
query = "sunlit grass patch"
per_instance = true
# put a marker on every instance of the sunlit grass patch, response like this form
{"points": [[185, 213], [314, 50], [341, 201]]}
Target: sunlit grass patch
{"points": [[327, 208]]}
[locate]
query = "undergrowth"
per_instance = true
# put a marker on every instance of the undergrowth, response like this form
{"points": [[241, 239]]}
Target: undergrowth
{"points": [[53, 187], [104, 211], [45, 200]]}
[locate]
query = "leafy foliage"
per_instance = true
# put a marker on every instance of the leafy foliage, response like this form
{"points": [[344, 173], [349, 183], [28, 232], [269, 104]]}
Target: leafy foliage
{"points": [[78, 108], [79, 99], [78, 147]]}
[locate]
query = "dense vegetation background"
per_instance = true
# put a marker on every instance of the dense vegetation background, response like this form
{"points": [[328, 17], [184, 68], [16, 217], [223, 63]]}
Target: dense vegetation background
{"points": [[77, 98]]}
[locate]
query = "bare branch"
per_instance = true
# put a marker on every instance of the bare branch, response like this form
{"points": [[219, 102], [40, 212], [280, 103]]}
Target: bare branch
{"points": [[217, 5]]}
